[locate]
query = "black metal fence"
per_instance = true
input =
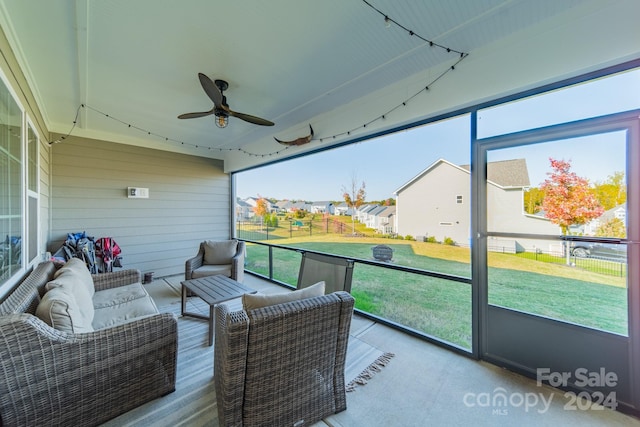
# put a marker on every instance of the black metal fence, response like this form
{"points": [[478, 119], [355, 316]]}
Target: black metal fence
{"points": [[281, 228], [601, 265]]}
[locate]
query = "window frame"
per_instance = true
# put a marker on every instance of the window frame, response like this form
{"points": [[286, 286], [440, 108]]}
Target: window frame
{"points": [[7, 283], [31, 194]]}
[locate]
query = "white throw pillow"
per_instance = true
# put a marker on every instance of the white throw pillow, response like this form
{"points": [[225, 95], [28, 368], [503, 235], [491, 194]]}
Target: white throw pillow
{"points": [[254, 301]]}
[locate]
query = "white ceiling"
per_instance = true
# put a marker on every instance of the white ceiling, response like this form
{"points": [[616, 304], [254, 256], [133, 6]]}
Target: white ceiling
{"points": [[293, 62]]}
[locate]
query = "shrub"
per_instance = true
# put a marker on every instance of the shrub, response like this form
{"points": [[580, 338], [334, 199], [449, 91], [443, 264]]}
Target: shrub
{"points": [[409, 237], [430, 239], [449, 241], [271, 220]]}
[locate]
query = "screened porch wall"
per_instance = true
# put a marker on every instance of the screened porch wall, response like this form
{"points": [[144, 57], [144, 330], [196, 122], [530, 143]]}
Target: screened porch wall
{"points": [[188, 201]]}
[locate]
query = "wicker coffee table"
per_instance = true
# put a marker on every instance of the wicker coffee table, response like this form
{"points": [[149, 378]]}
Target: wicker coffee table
{"points": [[212, 290]]}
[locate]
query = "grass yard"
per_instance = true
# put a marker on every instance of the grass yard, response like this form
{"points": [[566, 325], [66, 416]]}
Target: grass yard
{"points": [[442, 308]]}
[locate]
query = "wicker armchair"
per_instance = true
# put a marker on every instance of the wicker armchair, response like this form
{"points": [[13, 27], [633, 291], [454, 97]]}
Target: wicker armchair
{"points": [[282, 365], [48, 377], [231, 266]]}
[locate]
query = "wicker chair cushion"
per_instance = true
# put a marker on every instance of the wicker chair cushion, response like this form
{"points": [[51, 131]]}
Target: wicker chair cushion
{"points": [[77, 283], [58, 308], [77, 268], [123, 304], [210, 270], [220, 252], [254, 301]]}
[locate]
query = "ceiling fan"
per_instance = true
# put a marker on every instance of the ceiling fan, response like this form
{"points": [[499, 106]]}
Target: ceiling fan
{"points": [[220, 108]]}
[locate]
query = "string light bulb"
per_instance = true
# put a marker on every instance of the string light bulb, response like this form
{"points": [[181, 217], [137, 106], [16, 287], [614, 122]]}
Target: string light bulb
{"points": [[387, 22], [222, 120]]}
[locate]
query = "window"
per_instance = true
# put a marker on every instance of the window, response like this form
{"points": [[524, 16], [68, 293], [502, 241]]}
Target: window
{"points": [[11, 185], [459, 199], [32, 193]]}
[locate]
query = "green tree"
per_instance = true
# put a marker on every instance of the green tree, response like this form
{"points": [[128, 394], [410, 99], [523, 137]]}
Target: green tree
{"points": [[533, 198], [612, 228], [612, 192], [354, 197]]}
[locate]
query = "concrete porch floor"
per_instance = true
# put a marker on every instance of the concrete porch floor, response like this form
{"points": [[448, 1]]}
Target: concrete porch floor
{"points": [[428, 385]]}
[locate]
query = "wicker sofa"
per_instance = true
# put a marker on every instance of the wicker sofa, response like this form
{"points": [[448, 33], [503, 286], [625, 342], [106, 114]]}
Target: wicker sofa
{"points": [[49, 377]]}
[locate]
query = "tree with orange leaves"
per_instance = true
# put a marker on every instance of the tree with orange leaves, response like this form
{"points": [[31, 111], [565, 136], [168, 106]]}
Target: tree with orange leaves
{"points": [[261, 209], [568, 199]]}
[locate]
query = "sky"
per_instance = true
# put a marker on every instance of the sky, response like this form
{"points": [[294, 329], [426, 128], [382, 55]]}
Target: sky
{"points": [[386, 163]]}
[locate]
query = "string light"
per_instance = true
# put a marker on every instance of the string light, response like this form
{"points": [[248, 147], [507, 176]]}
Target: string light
{"points": [[150, 133], [75, 122], [387, 22]]}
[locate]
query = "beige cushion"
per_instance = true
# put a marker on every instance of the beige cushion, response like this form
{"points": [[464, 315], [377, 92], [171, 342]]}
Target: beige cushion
{"points": [[219, 252], [211, 270], [254, 301], [124, 312], [77, 268], [76, 280], [58, 309], [122, 304], [119, 295]]}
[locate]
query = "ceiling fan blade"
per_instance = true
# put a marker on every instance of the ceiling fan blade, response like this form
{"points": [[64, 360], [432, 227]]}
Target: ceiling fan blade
{"points": [[249, 118], [211, 90], [195, 115]]}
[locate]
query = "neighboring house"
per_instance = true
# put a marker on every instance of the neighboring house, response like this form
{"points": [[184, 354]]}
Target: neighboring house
{"points": [[362, 212], [300, 206], [290, 207], [619, 212], [385, 220], [253, 202], [322, 207], [371, 220], [244, 211], [436, 202], [283, 206], [342, 209]]}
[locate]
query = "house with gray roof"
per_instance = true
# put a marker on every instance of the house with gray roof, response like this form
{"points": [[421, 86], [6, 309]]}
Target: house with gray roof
{"points": [[437, 203], [244, 211], [372, 216], [322, 207], [385, 221], [362, 212], [342, 209]]}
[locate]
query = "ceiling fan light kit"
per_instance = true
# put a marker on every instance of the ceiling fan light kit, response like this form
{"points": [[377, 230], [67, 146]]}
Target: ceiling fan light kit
{"points": [[221, 110], [222, 120]]}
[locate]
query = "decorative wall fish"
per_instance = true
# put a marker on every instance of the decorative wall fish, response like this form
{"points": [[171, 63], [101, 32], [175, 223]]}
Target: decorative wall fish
{"points": [[300, 141]]}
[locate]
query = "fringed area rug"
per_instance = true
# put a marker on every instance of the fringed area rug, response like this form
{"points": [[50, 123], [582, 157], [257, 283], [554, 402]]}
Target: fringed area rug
{"points": [[194, 401], [363, 362]]}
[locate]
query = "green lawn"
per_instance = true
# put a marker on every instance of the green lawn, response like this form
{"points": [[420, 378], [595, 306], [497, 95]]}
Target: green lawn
{"points": [[442, 308]]}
